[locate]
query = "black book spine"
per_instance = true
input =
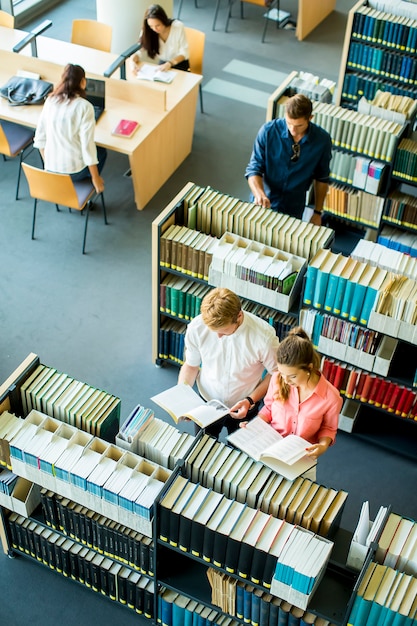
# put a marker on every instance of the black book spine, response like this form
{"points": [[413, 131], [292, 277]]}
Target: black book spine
{"points": [[139, 599], [269, 569], [70, 515], [130, 593], [13, 532], [51, 506], [232, 556], [148, 602], [151, 552], [38, 547], [144, 556], [197, 539], [112, 586], [121, 588], [106, 539], [125, 547], [95, 575], [45, 511], [95, 527], [164, 523], [104, 581], [208, 544], [88, 577], [77, 525], [258, 566], [131, 546], [136, 554], [219, 549], [51, 554], [245, 560], [184, 534], [74, 573], [101, 538], [31, 542], [58, 557], [44, 550], [24, 536], [82, 522], [81, 566], [174, 528], [88, 526], [66, 567]]}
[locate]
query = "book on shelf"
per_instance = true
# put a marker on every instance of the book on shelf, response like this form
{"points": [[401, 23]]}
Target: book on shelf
{"points": [[125, 128], [286, 455], [182, 401]]}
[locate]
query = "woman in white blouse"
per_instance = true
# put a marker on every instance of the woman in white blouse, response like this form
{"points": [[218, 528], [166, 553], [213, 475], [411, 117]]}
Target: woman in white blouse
{"points": [[164, 40]]}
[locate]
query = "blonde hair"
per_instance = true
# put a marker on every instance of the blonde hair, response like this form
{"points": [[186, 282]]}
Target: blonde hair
{"points": [[220, 307], [296, 350]]}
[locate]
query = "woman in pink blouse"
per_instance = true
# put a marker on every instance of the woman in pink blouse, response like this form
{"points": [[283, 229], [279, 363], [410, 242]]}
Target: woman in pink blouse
{"points": [[299, 399]]}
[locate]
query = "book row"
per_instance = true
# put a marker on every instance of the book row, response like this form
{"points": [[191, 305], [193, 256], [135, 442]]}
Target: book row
{"points": [[392, 65], [137, 420], [378, 254], [181, 297], [344, 286], [405, 163], [171, 341], [389, 106], [215, 465], [358, 132], [86, 468], [385, 596], [254, 606], [186, 250], [82, 564], [372, 25], [362, 173], [7, 481], [69, 400], [395, 239], [397, 545], [214, 213], [372, 389], [260, 552], [98, 532], [178, 610], [401, 209], [353, 204], [356, 85]]}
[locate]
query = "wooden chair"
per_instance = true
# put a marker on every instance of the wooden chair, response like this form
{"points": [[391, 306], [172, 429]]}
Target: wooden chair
{"points": [[92, 34], [14, 141], [196, 42], [6, 19], [61, 189]]}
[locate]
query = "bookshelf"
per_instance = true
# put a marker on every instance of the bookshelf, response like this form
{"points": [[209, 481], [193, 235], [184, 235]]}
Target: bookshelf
{"points": [[148, 574], [376, 56], [364, 354], [210, 220]]}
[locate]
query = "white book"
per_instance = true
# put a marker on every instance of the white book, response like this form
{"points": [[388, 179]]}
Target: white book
{"points": [[152, 72], [182, 401], [286, 455]]}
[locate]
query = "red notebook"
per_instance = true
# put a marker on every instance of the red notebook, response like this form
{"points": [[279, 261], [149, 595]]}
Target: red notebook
{"points": [[125, 128]]}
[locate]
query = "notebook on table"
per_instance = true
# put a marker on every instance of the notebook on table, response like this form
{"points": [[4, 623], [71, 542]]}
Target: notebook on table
{"points": [[95, 92]]}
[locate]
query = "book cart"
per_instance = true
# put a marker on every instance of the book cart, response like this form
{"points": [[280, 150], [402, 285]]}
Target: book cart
{"points": [[267, 304], [139, 569]]}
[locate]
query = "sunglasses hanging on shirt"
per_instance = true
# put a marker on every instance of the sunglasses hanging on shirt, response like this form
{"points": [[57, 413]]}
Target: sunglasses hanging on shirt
{"points": [[295, 152]]}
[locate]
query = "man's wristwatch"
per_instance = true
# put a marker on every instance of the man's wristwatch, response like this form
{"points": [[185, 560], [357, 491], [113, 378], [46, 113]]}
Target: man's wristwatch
{"points": [[317, 212], [251, 402]]}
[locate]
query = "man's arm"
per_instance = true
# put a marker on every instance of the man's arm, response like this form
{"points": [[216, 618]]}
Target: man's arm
{"points": [[241, 408], [188, 374], [320, 191], [256, 185]]}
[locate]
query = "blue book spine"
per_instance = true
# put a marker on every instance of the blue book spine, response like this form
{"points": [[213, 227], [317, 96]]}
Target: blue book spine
{"points": [[357, 302], [293, 620], [273, 614], [188, 617], [178, 615], [255, 610], [367, 306], [311, 276], [239, 601], [247, 605], [331, 292], [264, 612], [166, 612], [320, 289], [282, 617], [340, 293], [347, 299]]}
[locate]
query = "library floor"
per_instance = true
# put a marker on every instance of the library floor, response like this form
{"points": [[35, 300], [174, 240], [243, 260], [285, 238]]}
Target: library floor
{"points": [[90, 316]]}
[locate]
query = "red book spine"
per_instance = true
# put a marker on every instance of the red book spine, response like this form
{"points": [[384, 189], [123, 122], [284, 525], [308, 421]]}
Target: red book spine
{"points": [[408, 404], [388, 394], [366, 391], [351, 383], [413, 411], [402, 400], [381, 392], [326, 367], [374, 390], [338, 376], [394, 398], [360, 384]]}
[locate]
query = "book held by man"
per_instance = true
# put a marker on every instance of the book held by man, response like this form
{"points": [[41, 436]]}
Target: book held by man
{"points": [[181, 401], [285, 455]]}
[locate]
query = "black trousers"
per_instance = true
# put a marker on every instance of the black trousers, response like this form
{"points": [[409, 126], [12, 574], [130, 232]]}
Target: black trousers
{"points": [[231, 424]]}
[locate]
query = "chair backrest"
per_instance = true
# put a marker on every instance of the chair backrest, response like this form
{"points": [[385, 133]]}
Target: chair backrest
{"points": [[4, 144], [196, 42], [92, 34], [6, 19], [51, 187], [260, 3]]}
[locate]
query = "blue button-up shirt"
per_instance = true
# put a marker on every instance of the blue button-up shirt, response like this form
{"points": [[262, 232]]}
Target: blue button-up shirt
{"points": [[286, 182]]}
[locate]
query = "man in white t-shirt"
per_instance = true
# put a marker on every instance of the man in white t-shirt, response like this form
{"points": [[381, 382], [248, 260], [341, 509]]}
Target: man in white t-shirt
{"points": [[227, 352]]}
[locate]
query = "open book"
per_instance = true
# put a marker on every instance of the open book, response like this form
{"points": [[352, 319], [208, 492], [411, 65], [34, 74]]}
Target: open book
{"points": [[182, 401], [151, 72], [285, 455]]}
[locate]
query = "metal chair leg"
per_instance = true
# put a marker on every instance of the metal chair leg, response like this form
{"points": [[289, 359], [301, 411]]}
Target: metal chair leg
{"points": [[229, 15], [201, 98], [216, 11], [35, 202], [86, 224], [104, 209]]}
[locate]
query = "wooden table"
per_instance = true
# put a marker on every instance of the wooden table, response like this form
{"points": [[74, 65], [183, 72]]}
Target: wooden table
{"points": [[166, 113]]}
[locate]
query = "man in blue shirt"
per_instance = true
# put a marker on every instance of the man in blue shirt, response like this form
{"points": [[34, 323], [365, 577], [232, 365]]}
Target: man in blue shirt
{"points": [[288, 155]]}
